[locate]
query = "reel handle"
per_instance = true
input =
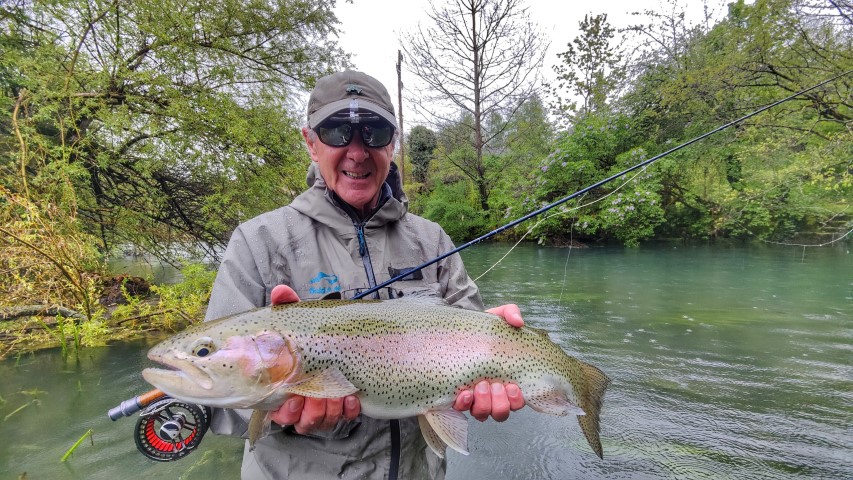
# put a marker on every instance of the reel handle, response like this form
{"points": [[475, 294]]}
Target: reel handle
{"points": [[135, 404]]}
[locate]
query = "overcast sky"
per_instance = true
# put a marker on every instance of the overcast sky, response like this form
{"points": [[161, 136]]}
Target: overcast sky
{"points": [[370, 28]]}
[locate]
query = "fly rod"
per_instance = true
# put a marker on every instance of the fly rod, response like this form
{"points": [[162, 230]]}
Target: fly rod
{"points": [[135, 404], [592, 187]]}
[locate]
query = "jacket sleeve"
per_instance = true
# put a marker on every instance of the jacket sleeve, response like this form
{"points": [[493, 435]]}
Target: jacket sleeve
{"points": [[239, 286], [458, 288]]}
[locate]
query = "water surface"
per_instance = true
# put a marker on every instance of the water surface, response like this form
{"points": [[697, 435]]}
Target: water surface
{"points": [[727, 362]]}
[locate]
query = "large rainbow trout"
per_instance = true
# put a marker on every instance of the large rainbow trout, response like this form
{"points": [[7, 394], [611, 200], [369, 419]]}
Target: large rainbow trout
{"points": [[402, 358]]}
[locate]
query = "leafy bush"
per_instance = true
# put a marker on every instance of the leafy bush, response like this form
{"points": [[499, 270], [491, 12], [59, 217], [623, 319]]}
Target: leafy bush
{"points": [[450, 206]]}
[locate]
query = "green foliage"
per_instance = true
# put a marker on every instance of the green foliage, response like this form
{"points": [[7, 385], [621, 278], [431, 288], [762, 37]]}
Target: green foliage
{"points": [[588, 69], [422, 142], [779, 174], [451, 206], [632, 211], [144, 115], [188, 299], [597, 148], [519, 144], [47, 259]]}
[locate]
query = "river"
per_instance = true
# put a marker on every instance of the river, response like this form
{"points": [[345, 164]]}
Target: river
{"points": [[727, 362]]}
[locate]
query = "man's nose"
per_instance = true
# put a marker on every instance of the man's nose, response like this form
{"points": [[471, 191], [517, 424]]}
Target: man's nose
{"points": [[356, 149]]}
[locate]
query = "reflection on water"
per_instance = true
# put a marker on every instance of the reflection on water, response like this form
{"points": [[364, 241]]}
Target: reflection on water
{"points": [[147, 267], [726, 363]]}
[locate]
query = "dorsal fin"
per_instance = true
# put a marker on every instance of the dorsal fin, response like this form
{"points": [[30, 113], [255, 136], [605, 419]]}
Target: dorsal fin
{"points": [[332, 296]]}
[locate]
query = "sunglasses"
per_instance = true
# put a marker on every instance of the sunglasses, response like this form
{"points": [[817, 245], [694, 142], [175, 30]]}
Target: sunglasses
{"points": [[373, 134]]}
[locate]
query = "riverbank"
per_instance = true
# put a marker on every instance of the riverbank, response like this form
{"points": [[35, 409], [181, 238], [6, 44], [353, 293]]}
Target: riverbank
{"points": [[127, 308]]}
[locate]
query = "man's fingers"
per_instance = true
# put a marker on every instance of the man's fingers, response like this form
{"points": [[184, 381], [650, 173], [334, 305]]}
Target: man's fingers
{"points": [[289, 412], [352, 407], [510, 313], [281, 294], [464, 400], [482, 401], [516, 399], [313, 414], [334, 412], [500, 402]]}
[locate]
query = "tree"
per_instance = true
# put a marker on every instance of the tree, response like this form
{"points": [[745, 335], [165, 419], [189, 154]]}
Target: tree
{"points": [[477, 58], [784, 171], [589, 70], [144, 115], [422, 142], [527, 141]]}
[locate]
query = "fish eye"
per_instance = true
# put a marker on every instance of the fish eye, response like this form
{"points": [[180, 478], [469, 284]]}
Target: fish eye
{"points": [[203, 347]]}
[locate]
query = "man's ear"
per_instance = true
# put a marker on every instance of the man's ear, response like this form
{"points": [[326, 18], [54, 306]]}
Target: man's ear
{"points": [[310, 142]]}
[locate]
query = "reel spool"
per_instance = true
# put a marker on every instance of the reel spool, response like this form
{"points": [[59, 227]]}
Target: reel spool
{"points": [[170, 429]]}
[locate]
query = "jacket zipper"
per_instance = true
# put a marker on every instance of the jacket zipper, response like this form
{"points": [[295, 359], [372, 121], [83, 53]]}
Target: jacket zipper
{"points": [[396, 439], [365, 257]]}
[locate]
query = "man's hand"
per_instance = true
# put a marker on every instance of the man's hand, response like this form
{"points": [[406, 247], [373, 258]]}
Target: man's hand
{"points": [[283, 294], [309, 414], [495, 399], [509, 312]]}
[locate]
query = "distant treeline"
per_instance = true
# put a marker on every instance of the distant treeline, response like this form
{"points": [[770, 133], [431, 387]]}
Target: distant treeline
{"points": [[785, 175]]}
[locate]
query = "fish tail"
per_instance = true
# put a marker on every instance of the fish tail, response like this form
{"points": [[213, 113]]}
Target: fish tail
{"points": [[590, 401]]}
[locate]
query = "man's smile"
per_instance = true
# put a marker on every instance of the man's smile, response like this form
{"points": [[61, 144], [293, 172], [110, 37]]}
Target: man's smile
{"points": [[357, 176]]}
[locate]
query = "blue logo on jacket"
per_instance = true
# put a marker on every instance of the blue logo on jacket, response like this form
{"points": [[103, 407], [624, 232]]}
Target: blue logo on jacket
{"points": [[323, 283]]}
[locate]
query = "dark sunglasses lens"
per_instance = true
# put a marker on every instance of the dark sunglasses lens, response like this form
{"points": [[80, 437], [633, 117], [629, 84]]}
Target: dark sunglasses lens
{"points": [[373, 134], [377, 135], [335, 135]]}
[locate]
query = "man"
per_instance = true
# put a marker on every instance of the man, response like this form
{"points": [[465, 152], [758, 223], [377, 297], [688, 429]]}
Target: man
{"points": [[348, 232]]}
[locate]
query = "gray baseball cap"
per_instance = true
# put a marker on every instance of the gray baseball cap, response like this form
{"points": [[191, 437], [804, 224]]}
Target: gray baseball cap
{"points": [[349, 96]]}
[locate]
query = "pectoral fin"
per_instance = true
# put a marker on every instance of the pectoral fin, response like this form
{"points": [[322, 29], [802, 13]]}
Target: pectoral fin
{"points": [[329, 383], [259, 426], [447, 428], [553, 402]]}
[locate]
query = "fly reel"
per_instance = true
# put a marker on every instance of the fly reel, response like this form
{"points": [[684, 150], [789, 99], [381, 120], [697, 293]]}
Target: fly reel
{"points": [[170, 429], [167, 429]]}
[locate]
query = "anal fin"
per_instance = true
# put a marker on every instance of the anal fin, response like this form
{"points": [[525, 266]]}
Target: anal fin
{"points": [[451, 428], [432, 439]]}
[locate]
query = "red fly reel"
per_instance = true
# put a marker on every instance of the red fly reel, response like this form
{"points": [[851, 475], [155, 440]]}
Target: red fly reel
{"points": [[170, 429]]}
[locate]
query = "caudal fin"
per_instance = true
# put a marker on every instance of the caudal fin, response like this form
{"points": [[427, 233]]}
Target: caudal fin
{"points": [[590, 401]]}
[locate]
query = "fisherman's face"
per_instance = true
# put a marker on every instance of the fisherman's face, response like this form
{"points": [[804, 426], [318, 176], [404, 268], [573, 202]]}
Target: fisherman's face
{"points": [[355, 172]]}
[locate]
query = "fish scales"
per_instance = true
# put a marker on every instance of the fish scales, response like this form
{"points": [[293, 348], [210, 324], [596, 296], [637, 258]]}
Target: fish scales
{"points": [[430, 356], [402, 358]]}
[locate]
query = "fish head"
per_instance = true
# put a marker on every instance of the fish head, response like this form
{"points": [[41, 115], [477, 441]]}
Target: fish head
{"points": [[244, 370]]}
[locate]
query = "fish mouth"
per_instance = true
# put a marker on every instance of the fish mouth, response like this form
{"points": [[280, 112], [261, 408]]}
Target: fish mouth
{"points": [[180, 376]]}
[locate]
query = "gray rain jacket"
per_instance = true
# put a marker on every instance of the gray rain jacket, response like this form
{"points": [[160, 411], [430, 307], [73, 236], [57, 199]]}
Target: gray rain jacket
{"points": [[318, 246]]}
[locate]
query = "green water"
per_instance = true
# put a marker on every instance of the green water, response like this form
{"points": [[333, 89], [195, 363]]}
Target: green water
{"points": [[727, 362]]}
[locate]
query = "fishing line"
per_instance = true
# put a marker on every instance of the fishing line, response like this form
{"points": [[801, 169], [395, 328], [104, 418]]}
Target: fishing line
{"points": [[572, 231], [561, 212], [566, 265], [592, 187], [804, 245]]}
